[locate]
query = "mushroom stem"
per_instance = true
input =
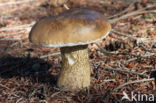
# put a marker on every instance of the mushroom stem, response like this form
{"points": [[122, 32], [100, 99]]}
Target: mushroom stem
{"points": [[75, 72]]}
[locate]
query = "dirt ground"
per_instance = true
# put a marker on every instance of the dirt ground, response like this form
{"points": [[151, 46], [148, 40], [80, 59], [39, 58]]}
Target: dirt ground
{"points": [[124, 62]]}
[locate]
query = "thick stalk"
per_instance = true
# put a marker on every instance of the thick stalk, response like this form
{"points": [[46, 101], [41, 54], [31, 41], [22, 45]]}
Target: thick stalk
{"points": [[75, 72]]}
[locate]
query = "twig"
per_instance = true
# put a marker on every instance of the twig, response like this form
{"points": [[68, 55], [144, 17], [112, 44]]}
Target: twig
{"points": [[11, 34], [55, 94], [4, 86], [12, 39], [109, 80], [139, 56], [125, 53], [126, 71], [132, 59], [15, 2], [138, 40], [130, 14], [148, 50], [124, 11], [124, 34], [17, 27], [103, 50], [132, 82], [52, 54], [44, 101], [120, 13], [66, 7], [150, 6], [19, 100]]}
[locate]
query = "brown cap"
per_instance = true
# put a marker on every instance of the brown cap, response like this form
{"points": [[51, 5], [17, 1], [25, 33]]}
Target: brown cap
{"points": [[71, 28]]}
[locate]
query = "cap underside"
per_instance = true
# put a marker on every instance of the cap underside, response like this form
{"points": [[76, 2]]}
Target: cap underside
{"points": [[71, 44]]}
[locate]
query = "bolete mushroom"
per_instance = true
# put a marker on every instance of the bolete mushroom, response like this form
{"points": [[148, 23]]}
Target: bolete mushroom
{"points": [[72, 31]]}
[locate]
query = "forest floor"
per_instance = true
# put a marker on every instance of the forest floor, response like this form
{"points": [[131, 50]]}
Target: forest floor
{"points": [[123, 63]]}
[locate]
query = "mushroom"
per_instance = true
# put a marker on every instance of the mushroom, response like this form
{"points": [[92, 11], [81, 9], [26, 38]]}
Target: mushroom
{"points": [[72, 31]]}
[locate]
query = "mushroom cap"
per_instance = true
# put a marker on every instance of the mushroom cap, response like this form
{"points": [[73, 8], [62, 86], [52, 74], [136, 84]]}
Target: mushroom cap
{"points": [[72, 27]]}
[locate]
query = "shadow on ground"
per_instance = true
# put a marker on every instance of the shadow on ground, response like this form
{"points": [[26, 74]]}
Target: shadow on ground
{"points": [[26, 67]]}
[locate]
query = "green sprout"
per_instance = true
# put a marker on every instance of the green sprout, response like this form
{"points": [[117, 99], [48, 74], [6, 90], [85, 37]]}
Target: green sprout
{"points": [[149, 30], [134, 28], [149, 16], [26, 54]]}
